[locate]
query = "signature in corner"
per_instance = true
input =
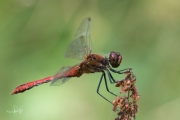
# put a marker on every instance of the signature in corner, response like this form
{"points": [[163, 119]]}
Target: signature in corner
{"points": [[15, 110]]}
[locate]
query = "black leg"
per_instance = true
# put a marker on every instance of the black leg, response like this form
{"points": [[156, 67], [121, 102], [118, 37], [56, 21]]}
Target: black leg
{"points": [[107, 84], [103, 75], [99, 87], [120, 71], [111, 79]]}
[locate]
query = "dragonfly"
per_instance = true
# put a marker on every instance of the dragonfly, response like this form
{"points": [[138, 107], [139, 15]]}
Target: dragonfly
{"points": [[81, 48]]}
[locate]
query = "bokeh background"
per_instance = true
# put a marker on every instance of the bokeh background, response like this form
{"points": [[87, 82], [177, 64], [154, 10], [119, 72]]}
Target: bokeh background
{"points": [[34, 35]]}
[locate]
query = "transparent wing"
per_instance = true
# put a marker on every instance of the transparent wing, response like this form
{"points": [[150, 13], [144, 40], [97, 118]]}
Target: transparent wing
{"points": [[59, 81], [81, 46], [59, 77]]}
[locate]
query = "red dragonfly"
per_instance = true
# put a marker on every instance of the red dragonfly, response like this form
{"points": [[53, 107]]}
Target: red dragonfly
{"points": [[80, 48]]}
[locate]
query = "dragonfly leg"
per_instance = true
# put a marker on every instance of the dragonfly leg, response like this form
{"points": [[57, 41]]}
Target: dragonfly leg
{"points": [[107, 84], [99, 87], [111, 79], [103, 75], [120, 71]]}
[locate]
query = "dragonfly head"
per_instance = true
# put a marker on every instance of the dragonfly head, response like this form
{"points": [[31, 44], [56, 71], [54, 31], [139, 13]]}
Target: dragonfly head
{"points": [[115, 59]]}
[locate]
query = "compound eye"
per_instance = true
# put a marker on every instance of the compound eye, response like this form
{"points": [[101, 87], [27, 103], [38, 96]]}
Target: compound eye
{"points": [[115, 59]]}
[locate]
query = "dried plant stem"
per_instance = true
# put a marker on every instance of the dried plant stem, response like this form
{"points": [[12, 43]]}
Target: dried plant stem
{"points": [[128, 109]]}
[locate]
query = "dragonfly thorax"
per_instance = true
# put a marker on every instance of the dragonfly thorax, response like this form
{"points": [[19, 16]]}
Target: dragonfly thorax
{"points": [[94, 63]]}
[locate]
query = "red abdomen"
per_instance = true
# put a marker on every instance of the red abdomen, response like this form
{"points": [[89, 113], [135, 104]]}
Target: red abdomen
{"points": [[29, 85], [71, 72]]}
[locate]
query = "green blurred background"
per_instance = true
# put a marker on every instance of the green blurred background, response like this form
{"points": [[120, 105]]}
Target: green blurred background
{"points": [[34, 35]]}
